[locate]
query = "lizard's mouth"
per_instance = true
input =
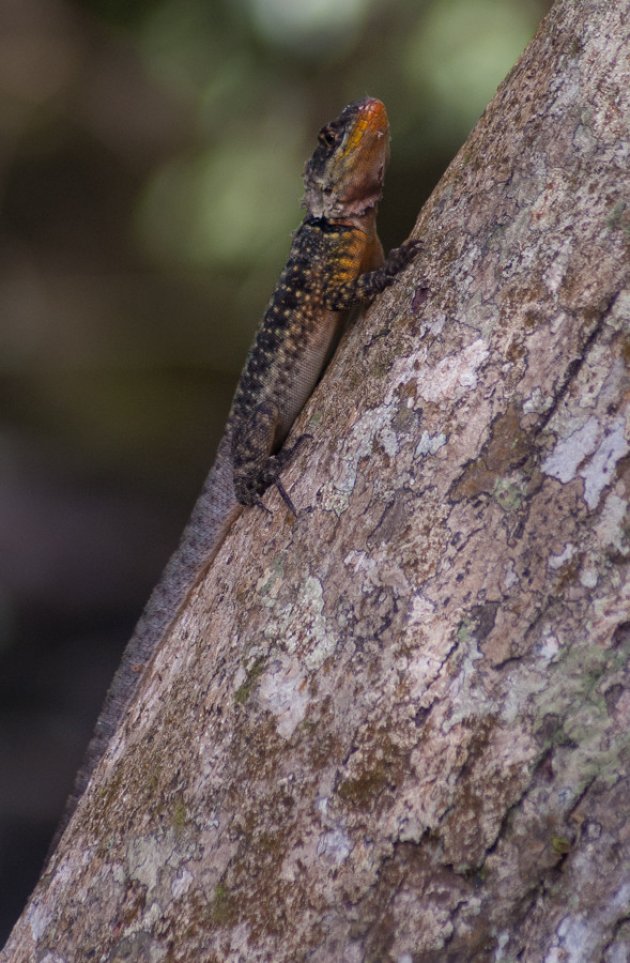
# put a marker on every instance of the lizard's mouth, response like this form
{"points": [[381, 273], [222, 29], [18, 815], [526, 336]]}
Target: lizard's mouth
{"points": [[368, 131], [364, 156]]}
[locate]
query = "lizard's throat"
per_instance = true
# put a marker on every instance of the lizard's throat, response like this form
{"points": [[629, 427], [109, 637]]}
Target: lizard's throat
{"points": [[364, 205]]}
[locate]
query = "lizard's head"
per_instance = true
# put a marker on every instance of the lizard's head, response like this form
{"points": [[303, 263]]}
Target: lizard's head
{"points": [[344, 177]]}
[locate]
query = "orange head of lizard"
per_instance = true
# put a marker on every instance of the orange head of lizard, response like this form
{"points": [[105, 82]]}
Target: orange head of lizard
{"points": [[344, 177]]}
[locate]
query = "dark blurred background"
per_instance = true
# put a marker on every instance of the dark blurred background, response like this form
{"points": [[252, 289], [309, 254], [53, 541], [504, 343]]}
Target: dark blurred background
{"points": [[150, 176]]}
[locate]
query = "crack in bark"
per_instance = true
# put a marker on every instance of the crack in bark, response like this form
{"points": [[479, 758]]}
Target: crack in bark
{"points": [[540, 885], [575, 365], [580, 797], [532, 784]]}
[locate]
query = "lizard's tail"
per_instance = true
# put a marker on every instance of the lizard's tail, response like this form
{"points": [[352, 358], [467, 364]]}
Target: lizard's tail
{"points": [[213, 515]]}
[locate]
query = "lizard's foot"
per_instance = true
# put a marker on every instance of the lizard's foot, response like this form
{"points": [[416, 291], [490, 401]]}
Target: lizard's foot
{"points": [[275, 464], [249, 487], [248, 491], [400, 257], [373, 282], [253, 499], [285, 496]]}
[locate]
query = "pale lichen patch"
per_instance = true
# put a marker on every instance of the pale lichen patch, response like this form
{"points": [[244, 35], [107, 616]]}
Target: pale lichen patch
{"points": [[588, 576], [601, 467], [557, 269], [421, 609], [572, 942], [388, 439], [549, 647], [411, 829], [311, 615], [38, 917], [567, 553], [145, 857], [302, 617], [270, 581], [373, 428], [454, 375], [536, 402], [610, 527], [429, 444], [334, 846], [182, 883], [283, 691], [510, 577], [562, 463], [240, 945]]}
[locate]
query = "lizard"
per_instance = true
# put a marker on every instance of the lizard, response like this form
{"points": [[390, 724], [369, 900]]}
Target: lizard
{"points": [[336, 261]]}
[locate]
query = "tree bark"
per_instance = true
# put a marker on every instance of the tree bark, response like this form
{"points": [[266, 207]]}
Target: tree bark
{"points": [[396, 727]]}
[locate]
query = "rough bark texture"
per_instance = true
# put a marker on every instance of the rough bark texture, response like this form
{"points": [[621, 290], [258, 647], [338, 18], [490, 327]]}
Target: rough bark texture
{"points": [[396, 728]]}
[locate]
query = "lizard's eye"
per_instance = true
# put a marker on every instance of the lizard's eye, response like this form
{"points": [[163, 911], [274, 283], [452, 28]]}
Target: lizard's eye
{"points": [[328, 137]]}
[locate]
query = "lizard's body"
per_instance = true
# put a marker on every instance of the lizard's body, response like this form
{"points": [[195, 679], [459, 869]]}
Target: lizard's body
{"points": [[336, 260]]}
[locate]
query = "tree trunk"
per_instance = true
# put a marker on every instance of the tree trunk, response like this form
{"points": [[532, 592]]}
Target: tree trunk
{"points": [[396, 727]]}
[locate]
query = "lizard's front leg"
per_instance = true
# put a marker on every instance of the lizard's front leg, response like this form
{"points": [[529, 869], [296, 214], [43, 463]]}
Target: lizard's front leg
{"points": [[340, 297]]}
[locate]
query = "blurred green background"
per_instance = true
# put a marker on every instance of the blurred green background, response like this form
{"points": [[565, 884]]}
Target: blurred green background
{"points": [[150, 171]]}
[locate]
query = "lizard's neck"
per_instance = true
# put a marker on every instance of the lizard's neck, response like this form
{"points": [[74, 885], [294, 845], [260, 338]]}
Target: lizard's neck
{"points": [[365, 222]]}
